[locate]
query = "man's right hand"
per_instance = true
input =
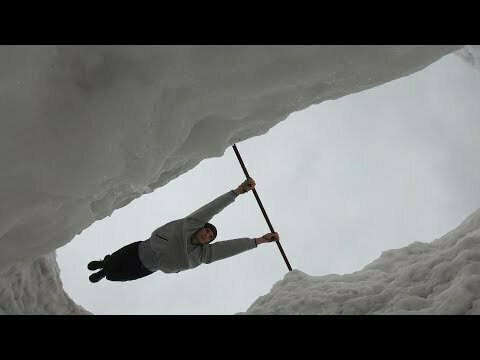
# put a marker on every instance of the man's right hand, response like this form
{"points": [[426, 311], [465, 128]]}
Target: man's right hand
{"points": [[268, 238]]}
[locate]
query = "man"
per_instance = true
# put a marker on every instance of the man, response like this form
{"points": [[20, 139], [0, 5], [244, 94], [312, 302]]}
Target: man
{"points": [[178, 245]]}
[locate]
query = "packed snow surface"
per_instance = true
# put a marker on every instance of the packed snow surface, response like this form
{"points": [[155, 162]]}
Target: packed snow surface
{"points": [[87, 129], [441, 277]]}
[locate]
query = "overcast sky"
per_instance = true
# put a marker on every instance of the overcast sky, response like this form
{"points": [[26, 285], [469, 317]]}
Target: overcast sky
{"points": [[341, 182]]}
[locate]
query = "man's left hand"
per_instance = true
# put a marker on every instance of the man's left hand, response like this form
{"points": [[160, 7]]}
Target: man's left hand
{"points": [[245, 186]]}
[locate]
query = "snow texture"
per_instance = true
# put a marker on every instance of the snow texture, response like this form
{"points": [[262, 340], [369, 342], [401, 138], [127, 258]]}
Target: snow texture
{"points": [[471, 55], [87, 129], [35, 288], [441, 277]]}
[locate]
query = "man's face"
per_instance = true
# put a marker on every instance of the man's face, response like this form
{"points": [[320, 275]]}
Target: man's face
{"points": [[204, 236]]}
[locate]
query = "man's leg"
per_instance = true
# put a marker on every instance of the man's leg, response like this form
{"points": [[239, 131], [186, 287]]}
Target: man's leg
{"points": [[95, 265], [96, 277], [124, 264]]}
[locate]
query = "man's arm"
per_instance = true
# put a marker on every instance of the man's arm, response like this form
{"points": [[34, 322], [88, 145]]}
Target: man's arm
{"points": [[227, 248], [224, 249], [206, 212]]}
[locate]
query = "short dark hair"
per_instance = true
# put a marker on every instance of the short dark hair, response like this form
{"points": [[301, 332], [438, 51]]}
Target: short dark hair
{"points": [[213, 228]]}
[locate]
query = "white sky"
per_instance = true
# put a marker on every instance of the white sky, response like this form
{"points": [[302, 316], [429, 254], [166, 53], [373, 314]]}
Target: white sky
{"points": [[341, 182]]}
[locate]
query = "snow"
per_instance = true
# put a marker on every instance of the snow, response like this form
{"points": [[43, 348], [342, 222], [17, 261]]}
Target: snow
{"points": [[35, 289], [471, 55], [87, 129], [441, 277]]}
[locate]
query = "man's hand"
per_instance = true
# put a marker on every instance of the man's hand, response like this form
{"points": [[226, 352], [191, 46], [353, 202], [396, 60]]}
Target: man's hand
{"points": [[245, 186], [268, 238]]}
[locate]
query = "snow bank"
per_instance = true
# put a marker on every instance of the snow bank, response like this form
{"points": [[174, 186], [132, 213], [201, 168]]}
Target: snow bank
{"points": [[87, 129], [441, 277], [471, 55], [35, 288]]}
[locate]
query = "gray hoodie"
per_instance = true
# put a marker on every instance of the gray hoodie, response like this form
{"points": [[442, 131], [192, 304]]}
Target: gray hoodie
{"points": [[170, 247]]}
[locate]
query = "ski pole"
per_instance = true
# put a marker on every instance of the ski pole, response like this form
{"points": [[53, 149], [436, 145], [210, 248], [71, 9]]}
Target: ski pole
{"points": [[261, 206]]}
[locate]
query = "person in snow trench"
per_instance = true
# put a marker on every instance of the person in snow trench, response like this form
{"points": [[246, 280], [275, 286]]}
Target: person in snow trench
{"points": [[178, 245]]}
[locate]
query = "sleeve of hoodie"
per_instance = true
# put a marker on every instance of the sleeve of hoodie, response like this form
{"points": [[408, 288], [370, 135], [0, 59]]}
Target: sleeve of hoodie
{"points": [[206, 212], [224, 249]]}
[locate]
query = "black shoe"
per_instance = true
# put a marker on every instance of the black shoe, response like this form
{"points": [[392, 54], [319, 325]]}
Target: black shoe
{"points": [[94, 265], [97, 276]]}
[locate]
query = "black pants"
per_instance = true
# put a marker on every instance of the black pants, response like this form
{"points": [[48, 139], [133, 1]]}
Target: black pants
{"points": [[124, 264]]}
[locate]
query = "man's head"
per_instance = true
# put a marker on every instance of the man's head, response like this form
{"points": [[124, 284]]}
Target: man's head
{"points": [[206, 234]]}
